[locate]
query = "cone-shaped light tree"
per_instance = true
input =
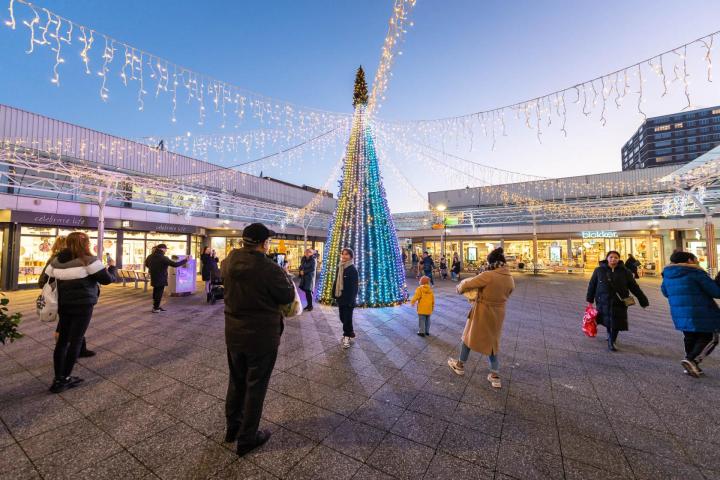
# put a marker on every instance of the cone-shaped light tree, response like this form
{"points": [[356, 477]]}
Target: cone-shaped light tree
{"points": [[362, 220]]}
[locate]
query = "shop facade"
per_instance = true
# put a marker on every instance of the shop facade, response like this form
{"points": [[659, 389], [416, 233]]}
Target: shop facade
{"points": [[562, 252], [27, 239]]}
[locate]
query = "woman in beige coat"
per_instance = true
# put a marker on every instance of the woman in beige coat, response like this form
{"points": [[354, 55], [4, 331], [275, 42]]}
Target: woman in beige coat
{"points": [[485, 321]]}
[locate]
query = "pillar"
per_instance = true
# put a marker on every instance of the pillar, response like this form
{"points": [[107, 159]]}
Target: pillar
{"points": [[710, 246]]}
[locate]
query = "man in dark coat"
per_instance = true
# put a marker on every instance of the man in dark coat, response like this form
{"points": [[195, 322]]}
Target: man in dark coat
{"points": [[307, 276], [611, 282], [157, 264], [427, 266], [255, 289], [345, 290]]}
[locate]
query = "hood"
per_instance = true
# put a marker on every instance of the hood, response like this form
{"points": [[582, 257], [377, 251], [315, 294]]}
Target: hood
{"points": [[504, 270], [245, 263], [677, 270], [425, 289]]}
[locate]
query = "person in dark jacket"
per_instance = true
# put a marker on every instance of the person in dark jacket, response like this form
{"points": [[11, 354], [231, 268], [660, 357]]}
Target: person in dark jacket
{"points": [[428, 265], [456, 267], [633, 265], [157, 264], [611, 282], [415, 261], [307, 277], [255, 289], [77, 274], [345, 290], [691, 293], [209, 267]]}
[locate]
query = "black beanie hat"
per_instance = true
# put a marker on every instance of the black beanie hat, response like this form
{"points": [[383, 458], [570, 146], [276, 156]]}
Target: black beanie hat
{"points": [[682, 257]]}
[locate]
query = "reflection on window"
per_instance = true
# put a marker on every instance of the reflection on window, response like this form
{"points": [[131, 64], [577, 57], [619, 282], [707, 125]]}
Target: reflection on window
{"points": [[662, 128]]}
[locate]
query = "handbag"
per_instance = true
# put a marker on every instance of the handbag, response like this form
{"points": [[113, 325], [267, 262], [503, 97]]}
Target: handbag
{"points": [[294, 308], [47, 302], [628, 301], [589, 325]]}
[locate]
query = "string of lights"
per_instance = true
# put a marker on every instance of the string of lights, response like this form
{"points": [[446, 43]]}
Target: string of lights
{"points": [[152, 73]]}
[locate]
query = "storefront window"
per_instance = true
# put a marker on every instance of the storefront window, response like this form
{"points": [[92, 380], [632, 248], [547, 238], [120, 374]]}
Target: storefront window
{"points": [[34, 254], [519, 251], [551, 253], [133, 253], [177, 244], [475, 252]]}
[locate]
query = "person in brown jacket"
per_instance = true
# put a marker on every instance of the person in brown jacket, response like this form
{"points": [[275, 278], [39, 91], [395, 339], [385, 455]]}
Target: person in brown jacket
{"points": [[485, 320]]}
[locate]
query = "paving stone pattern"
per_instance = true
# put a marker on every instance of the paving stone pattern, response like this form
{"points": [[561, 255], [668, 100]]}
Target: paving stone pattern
{"points": [[389, 407]]}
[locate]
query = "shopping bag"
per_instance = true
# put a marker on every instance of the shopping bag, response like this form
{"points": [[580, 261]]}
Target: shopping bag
{"points": [[589, 325], [47, 302], [292, 309]]}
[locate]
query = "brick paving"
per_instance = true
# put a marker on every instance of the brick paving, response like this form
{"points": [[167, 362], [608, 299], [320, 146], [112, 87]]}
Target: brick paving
{"points": [[152, 402]]}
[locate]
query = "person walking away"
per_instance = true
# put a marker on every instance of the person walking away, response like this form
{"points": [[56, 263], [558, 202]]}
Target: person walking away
{"points": [[415, 262], [691, 293], [206, 269], [157, 264], [345, 290], [443, 268], [77, 274], [633, 265], [307, 277], [256, 288], [59, 245], [483, 328], [456, 267], [427, 266], [610, 287], [425, 300]]}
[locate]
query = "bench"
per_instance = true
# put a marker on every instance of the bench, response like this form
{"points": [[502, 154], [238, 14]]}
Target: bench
{"points": [[126, 276], [142, 277]]}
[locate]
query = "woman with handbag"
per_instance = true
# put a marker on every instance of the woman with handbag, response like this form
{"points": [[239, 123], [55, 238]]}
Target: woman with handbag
{"points": [[77, 274], [485, 320], [307, 277], [610, 288]]}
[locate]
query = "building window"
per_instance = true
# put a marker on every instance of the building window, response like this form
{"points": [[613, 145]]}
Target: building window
{"points": [[716, 111], [663, 143], [662, 128], [663, 151], [663, 159], [679, 125]]}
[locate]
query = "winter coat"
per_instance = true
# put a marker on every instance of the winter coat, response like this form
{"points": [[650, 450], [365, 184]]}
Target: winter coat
{"points": [[77, 279], [690, 292], [351, 281], [425, 299], [612, 312], [209, 267], [633, 265], [157, 264], [456, 265], [307, 279], [485, 320], [427, 264], [255, 288]]}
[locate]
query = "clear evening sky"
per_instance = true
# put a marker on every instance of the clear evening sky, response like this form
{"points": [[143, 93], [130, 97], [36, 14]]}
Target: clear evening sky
{"points": [[460, 57]]}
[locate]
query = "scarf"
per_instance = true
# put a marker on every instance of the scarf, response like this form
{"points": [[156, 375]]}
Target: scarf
{"points": [[339, 278]]}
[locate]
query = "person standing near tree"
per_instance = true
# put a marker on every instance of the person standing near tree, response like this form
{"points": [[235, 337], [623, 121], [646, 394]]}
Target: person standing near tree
{"points": [[345, 290], [427, 266], [157, 264], [255, 289], [456, 267], [307, 277], [206, 270]]}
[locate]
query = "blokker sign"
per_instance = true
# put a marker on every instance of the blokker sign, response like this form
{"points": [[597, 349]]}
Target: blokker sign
{"points": [[600, 234]]}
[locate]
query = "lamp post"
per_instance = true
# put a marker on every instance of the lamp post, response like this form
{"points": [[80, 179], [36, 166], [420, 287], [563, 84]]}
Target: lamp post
{"points": [[441, 208]]}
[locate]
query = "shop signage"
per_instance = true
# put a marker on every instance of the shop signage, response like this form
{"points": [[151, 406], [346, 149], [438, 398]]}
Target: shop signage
{"points": [[600, 234], [162, 227], [54, 219]]}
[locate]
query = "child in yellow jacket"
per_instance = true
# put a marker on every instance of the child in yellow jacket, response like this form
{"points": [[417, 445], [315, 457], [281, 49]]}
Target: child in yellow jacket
{"points": [[425, 299]]}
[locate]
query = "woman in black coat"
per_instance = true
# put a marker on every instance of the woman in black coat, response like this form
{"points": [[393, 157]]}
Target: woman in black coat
{"points": [[612, 282], [345, 290], [77, 274], [308, 266], [208, 265]]}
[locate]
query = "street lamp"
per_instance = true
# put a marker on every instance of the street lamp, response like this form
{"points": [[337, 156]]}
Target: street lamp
{"points": [[441, 208]]}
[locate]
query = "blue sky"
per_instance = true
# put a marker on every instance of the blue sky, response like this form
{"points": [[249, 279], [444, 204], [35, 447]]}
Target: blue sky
{"points": [[461, 56]]}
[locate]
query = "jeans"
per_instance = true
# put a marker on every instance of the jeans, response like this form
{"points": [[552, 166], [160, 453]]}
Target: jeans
{"points": [[453, 275], [247, 386], [428, 273], [73, 322], [157, 296], [424, 323], [699, 345], [346, 313], [492, 359], [308, 297]]}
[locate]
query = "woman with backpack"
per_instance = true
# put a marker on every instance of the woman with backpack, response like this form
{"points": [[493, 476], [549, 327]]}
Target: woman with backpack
{"points": [[78, 275], [610, 288]]}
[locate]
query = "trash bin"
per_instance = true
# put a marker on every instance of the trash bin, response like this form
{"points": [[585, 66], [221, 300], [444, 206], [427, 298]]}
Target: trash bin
{"points": [[182, 280]]}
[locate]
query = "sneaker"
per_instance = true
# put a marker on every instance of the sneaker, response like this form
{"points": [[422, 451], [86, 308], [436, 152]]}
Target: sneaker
{"points": [[162, 309], [420, 334], [691, 367], [156, 310], [456, 366], [494, 380], [346, 342], [261, 438], [87, 353], [60, 385]]}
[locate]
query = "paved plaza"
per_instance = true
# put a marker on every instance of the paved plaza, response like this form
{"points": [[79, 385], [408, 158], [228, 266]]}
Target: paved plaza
{"points": [[152, 402]]}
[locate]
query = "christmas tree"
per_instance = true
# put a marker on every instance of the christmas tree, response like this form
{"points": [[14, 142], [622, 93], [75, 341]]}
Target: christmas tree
{"points": [[362, 220]]}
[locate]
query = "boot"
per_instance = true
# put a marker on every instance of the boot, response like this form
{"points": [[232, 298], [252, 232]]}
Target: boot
{"points": [[611, 344]]}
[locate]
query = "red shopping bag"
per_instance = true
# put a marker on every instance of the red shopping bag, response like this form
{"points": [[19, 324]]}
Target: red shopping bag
{"points": [[589, 325]]}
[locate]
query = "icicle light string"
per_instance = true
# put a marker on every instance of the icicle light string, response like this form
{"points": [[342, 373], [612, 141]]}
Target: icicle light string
{"points": [[590, 96], [56, 32]]}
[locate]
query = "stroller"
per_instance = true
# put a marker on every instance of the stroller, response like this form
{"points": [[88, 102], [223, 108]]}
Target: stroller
{"points": [[217, 291]]}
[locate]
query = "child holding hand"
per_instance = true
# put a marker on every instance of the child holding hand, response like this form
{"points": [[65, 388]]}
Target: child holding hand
{"points": [[425, 300]]}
